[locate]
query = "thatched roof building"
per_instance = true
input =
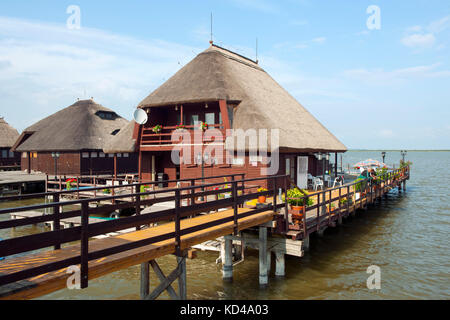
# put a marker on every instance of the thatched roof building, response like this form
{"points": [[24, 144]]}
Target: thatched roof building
{"points": [[8, 135], [85, 125], [219, 74], [123, 141]]}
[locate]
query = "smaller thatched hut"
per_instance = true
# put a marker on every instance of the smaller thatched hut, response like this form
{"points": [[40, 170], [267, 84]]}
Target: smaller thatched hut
{"points": [[8, 135], [77, 134], [122, 143]]}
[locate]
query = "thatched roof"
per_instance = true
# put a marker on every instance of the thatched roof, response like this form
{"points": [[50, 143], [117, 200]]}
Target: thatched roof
{"points": [[217, 74], [8, 135], [83, 125], [123, 141]]}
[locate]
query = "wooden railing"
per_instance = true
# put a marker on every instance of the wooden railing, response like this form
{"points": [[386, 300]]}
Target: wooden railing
{"points": [[57, 237], [370, 189]]}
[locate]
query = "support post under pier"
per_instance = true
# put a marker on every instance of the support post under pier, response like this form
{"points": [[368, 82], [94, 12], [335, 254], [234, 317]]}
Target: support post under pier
{"points": [[280, 264], [263, 274], [227, 263]]}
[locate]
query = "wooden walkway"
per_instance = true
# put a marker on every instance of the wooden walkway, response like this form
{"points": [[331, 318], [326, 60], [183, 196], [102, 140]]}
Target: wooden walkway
{"points": [[49, 282], [188, 223]]}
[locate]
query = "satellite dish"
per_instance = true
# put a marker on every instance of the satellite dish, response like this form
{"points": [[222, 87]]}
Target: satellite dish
{"points": [[140, 116]]}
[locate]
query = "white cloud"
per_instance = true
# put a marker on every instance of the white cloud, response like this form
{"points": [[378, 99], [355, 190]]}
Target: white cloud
{"points": [[319, 40], [260, 5], [419, 40], [386, 78], [386, 133], [419, 37], [45, 67]]}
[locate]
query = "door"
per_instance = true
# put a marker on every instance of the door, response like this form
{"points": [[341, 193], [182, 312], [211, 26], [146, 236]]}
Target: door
{"points": [[302, 172]]}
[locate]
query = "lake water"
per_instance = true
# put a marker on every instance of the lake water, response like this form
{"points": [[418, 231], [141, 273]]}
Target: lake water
{"points": [[407, 236]]}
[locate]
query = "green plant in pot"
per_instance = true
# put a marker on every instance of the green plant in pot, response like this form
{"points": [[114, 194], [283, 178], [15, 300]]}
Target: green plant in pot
{"points": [[157, 128], [262, 199]]}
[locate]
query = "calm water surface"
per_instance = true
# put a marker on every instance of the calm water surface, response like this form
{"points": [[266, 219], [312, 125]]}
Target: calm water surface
{"points": [[406, 236]]}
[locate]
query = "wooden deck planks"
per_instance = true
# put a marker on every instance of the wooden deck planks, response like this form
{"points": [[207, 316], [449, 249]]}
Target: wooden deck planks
{"points": [[47, 283]]}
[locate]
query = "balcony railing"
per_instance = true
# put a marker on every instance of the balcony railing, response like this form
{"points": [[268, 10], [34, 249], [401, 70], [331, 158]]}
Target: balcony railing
{"points": [[164, 137]]}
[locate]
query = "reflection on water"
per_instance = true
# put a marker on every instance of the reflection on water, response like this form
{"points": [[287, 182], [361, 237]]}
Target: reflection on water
{"points": [[406, 235]]}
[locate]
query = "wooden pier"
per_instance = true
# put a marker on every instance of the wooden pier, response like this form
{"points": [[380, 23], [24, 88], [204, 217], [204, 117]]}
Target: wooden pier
{"points": [[269, 228]]}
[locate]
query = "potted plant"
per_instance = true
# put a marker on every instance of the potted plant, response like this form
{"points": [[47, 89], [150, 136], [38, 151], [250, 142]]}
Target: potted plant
{"points": [[106, 191], [180, 127], [332, 206], [203, 126], [69, 183], [157, 128], [358, 188], [262, 199]]}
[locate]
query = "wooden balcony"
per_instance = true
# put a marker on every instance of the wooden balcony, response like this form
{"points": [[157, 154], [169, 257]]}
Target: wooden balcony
{"points": [[150, 139]]}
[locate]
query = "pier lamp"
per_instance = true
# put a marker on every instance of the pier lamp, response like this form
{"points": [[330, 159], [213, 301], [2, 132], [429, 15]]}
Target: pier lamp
{"points": [[403, 153], [55, 156], [383, 154]]}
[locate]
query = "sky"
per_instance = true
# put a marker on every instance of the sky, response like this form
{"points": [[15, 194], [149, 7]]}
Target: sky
{"points": [[376, 79]]}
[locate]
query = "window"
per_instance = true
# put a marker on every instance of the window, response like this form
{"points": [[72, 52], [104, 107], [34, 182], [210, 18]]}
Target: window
{"points": [[115, 132], [288, 166], [126, 155], [85, 155], [4, 153], [210, 118], [110, 155], [35, 155], [24, 154], [11, 154], [230, 115], [119, 155], [238, 161], [94, 154], [195, 120], [101, 154], [106, 115]]}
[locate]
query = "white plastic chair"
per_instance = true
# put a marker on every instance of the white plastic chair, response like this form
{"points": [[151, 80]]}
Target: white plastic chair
{"points": [[310, 180], [317, 182], [337, 180]]}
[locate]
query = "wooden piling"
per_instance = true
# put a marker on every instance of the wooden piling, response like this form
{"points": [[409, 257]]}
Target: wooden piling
{"points": [[263, 274], [145, 280], [279, 264], [227, 263]]}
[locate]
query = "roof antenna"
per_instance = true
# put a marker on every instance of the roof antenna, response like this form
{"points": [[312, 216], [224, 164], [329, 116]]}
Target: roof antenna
{"points": [[211, 40], [256, 50]]}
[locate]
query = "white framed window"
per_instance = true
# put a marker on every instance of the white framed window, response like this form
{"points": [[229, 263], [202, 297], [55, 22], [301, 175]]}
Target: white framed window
{"points": [[210, 118], [85, 154], [126, 155], [238, 161], [94, 154], [101, 154]]}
